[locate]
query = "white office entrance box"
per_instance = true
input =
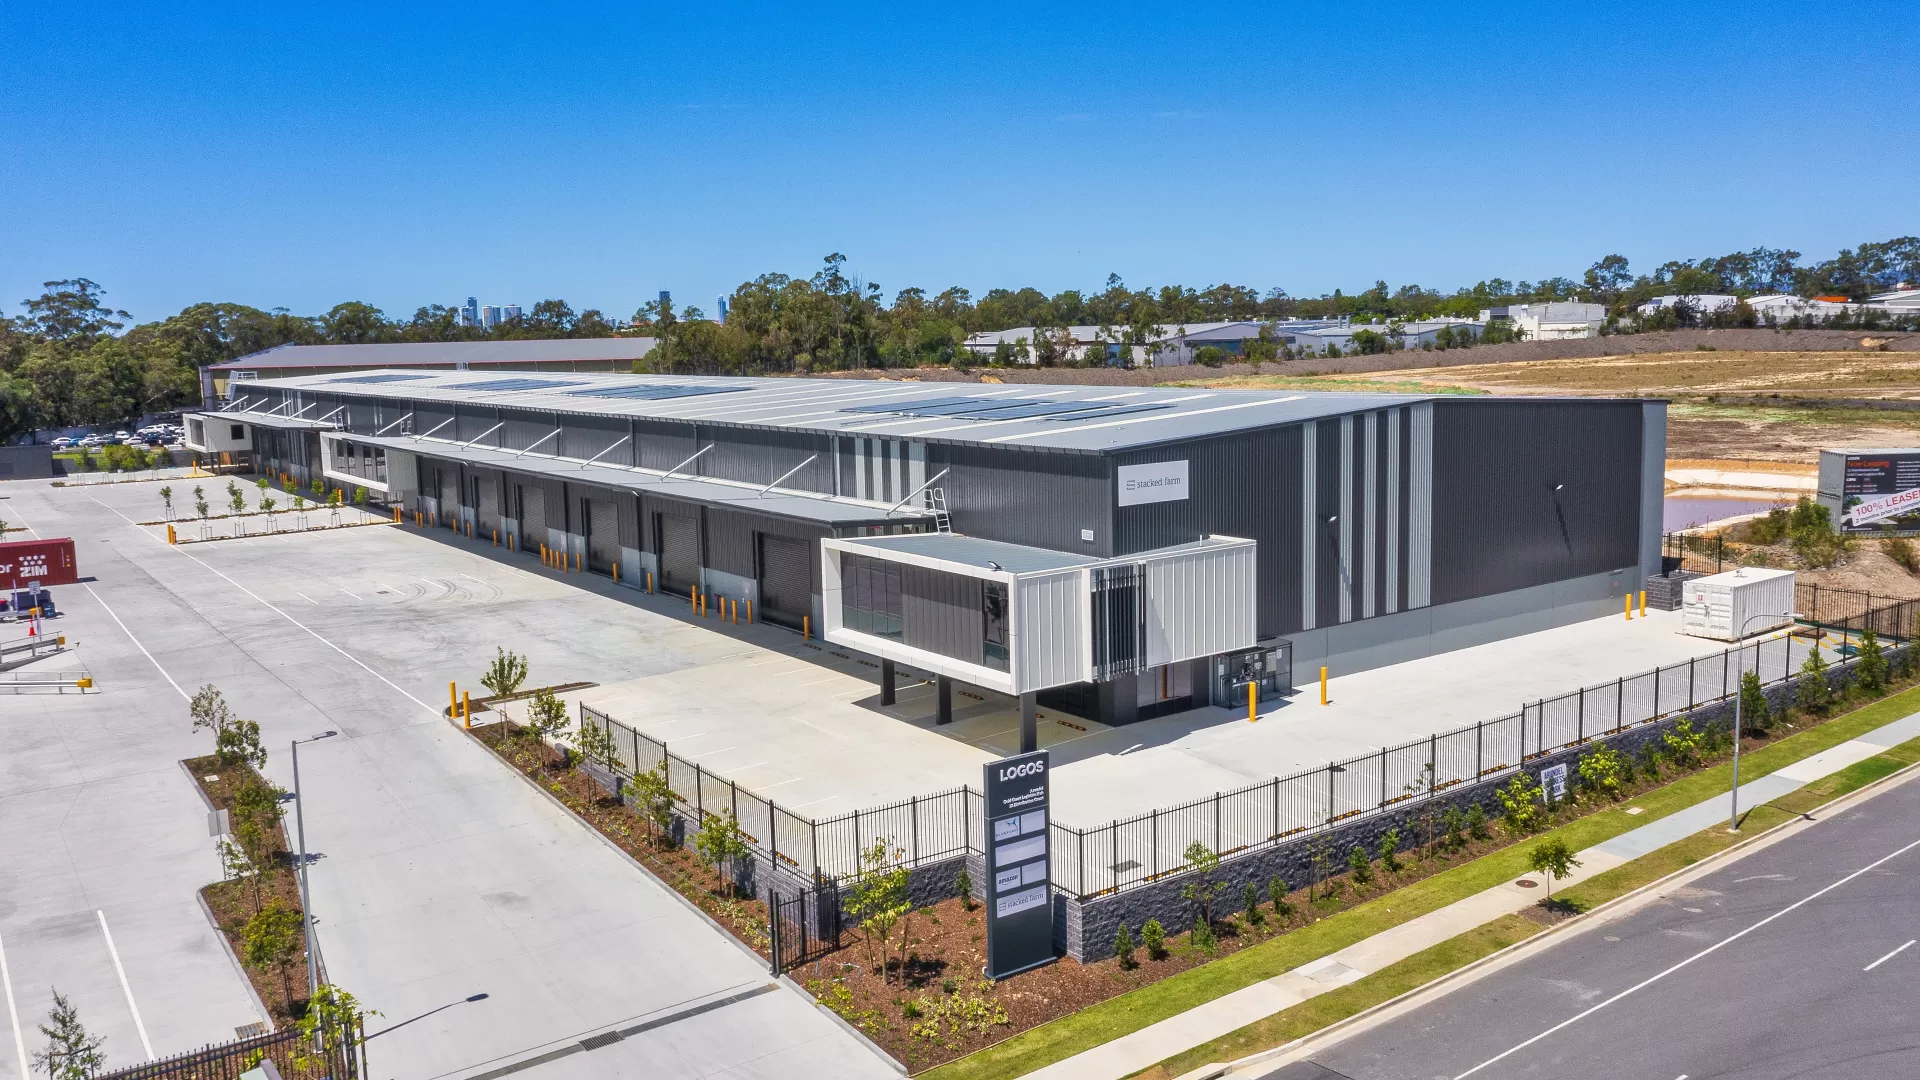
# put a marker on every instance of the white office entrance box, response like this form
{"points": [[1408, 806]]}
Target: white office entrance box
{"points": [[1726, 607]]}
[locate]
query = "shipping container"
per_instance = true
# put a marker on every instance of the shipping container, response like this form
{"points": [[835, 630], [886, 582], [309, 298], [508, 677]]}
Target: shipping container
{"points": [[49, 562], [1736, 604]]}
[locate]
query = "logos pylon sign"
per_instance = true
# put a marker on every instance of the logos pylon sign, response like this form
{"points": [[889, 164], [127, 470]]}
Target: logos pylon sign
{"points": [[1019, 896]]}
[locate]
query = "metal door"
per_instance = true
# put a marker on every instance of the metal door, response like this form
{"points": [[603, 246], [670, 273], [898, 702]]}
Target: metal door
{"points": [[533, 516], [786, 579], [449, 496], [603, 535], [489, 519], [679, 539]]}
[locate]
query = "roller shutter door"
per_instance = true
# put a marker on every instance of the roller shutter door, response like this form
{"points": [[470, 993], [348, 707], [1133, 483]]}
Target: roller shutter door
{"points": [[489, 502], [533, 517], [450, 497], [603, 535], [786, 580], [679, 552]]}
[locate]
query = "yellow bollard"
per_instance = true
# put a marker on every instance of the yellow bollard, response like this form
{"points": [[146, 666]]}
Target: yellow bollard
{"points": [[578, 561], [1643, 603], [496, 538], [1253, 715], [749, 611], [396, 515], [806, 628], [171, 539], [466, 708], [453, 700], [1629, 607], [1323, 684], [510, 539], [649, 583], [544, 561], [616, 573]]}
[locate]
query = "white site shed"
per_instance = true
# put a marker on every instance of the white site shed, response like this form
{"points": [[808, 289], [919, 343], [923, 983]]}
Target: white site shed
{"points": [[1738, 603]]}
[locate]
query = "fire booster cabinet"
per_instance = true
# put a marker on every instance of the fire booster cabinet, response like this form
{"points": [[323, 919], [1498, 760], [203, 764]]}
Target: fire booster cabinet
{"points": [[1729, 606], [49, 562]]}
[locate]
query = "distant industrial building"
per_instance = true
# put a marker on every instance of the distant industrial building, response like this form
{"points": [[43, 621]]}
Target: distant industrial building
{"points": [[1120, 553], [218, 382], [1556, 320], [1178, 344]]}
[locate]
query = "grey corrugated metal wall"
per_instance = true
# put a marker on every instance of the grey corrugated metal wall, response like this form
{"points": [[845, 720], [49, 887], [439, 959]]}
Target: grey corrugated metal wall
{"points": [[1530, 492], [940, 612], [1027, 496]]}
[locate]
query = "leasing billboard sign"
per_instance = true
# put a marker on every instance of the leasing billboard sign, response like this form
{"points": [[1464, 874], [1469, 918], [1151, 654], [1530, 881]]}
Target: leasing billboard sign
{"points": [[1880, 490]]}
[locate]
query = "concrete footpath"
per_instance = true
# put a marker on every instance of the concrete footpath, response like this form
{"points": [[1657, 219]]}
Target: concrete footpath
{"points": [[1203, 1023]]}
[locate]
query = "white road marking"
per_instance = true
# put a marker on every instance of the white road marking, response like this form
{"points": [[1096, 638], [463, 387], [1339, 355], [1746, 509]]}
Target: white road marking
{"points": [[137, 645], [19, 1044], [336, 586], [1888, 957], [470, 577], [1715, 947], [305, 597], [764, 787], [138, 1025]]}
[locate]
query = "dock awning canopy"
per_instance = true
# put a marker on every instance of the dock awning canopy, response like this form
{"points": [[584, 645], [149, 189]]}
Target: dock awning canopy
{"points": [[823, 509], [267, 420]]}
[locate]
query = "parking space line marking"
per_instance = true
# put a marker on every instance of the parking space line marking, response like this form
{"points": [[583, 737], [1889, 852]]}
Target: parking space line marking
{"points": [[138, 1024], [470, 577], [765, 787], [1709, 950], [19, 1045], [336, 586], [305, 597], [1888, 957], [137, 645]]}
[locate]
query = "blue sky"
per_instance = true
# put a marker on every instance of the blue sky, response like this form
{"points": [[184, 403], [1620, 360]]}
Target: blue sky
{"points": [[406, 155]]}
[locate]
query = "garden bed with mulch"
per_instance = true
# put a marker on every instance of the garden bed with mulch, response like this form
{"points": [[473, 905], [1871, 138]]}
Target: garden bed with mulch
{"points": [[919, 994], [237, 900]]}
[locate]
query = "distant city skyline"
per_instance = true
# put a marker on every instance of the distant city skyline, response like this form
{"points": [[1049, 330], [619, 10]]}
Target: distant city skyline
{"points": [[1307, 148]]}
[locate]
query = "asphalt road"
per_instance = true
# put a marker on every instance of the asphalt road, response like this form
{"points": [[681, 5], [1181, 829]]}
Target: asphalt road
{"points": [[1797, 961]]}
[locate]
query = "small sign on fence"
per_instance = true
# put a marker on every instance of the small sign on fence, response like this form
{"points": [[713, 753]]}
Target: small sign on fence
{"points": [[1553, 781], [1019, 898]]}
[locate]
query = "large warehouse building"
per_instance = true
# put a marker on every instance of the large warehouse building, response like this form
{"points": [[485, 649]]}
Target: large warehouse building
{"points": [[1117, 552]]}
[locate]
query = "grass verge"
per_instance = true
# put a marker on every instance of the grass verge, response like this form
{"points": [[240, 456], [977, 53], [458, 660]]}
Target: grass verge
{"points": [[1130, 1012], [1451, 955]]}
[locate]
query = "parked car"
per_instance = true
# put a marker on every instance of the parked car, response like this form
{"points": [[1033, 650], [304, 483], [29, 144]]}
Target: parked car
{"points": [[62, 443]]}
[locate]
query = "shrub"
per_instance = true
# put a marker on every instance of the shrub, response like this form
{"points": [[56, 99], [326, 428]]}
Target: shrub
{"points": [[1154, 937], [1811, 534], [880, 899], [1277, 892], [1360, 864], [1682, 743], [1251, 899], [1813, 695], [1203, 888], [1477, 821], [963, 888], [1390, 851], [1601, 771], [1202, 936], [1756, 713], [654, 800], [1870, 669], [1455, 824], [1901, 550], [1520, 805], [1123, 947]]}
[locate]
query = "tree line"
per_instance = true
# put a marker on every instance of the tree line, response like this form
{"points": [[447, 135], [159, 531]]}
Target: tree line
{"points": [[69, 359]]}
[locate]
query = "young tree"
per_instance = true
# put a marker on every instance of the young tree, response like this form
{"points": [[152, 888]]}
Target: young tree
{"points": [[963, 888], [1520, 805], [1154, 937], [209, 710], [71, 1053], [360, 497], [239, 744], [1813, 695], [1360, 865], [200, 502], [1870, 667], [1554, 859], [654, 799], [1756, 713], [1277, 893], [271, 941], [1683, 743], [506, 673], [1250, 899], [1477, 822], [595, 742], [1203, 887], [166, 497], [1390, 851], [327, 1029], [721, 846], [1123, 947], [879, 898], [546, 716], [1600, 770]]}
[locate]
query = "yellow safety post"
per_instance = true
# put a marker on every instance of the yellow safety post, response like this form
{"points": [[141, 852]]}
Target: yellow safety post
{"points": [[1643, 603], [579, 561], [649, 583], [453, 700], [396, 515], [1253, 716], [806, 627], [466, 708], [84, 682], [510, 540], [171, 539], [616, 573], [1323, 684], [496, 538], [749, 611], [544, 560], [1629, 607], [61, 640]]}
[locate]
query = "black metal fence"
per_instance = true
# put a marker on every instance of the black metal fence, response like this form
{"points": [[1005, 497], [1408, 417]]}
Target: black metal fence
{"points": [[226, 1061], [802, 924], [923, 828], [1138, 850]]}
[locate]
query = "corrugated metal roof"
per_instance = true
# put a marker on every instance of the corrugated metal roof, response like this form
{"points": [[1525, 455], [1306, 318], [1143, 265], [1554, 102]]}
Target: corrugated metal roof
{"points": [[974, 551], [826, 509], [1117, 416], [410, 354]]}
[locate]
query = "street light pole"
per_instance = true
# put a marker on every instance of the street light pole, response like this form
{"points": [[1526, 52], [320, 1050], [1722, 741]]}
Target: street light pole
{"points": [[300, 832], [1739, 697]]}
